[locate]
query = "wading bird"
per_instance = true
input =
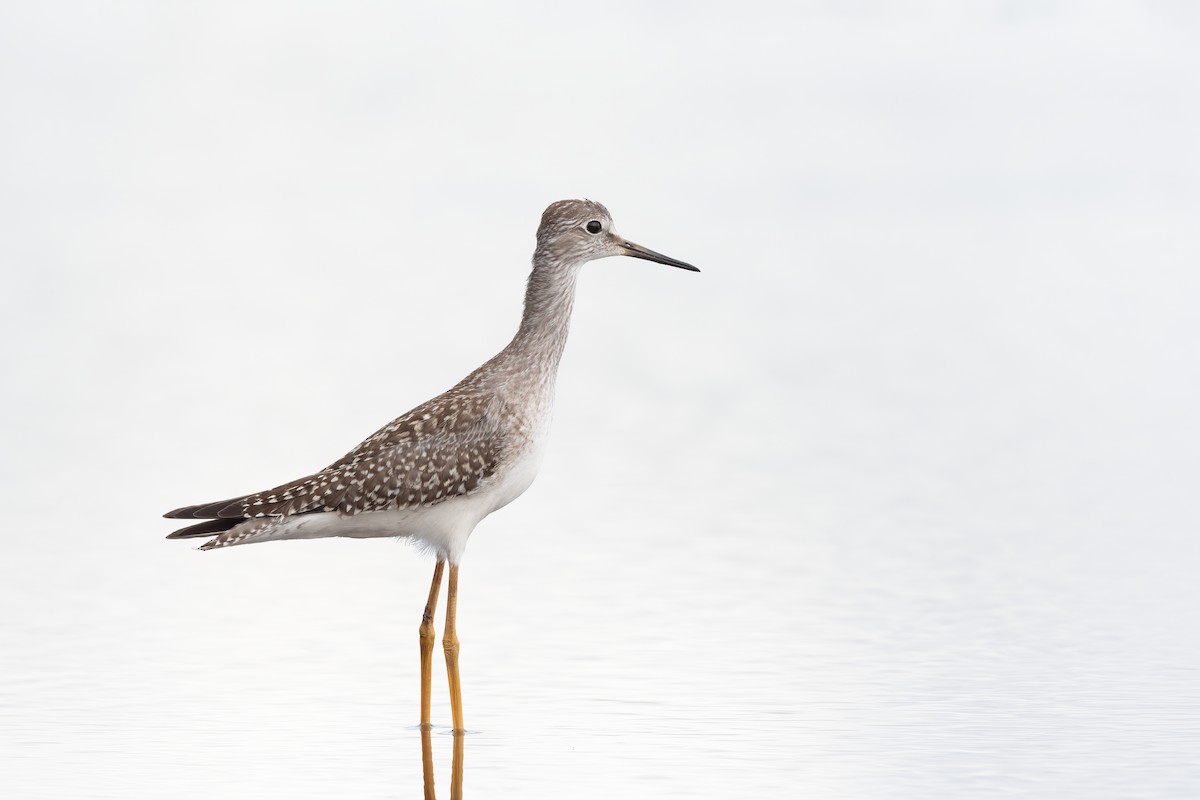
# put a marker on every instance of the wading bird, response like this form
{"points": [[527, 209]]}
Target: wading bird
{"points": [[434, 473]]}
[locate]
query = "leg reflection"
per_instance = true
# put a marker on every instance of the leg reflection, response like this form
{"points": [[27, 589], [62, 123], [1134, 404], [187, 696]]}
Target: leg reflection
{"points": [[456, 767], [427, 762]]}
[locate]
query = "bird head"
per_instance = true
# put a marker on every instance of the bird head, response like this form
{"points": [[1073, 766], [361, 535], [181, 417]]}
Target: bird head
{"points": [[578, 231]]}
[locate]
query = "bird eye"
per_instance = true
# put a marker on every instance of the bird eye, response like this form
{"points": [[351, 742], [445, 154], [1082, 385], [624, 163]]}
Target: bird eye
{"points": [[594, 227]]}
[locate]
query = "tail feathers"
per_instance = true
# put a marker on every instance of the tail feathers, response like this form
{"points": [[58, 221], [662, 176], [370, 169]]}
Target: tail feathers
{"points": [[246, 531], [206, 528]]}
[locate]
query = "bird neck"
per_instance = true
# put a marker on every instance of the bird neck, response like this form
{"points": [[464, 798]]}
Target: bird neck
{"points": [[549, 298]]}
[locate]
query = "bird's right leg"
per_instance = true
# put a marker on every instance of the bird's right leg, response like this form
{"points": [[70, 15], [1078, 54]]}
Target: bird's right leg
{"points": [[427, 640]]}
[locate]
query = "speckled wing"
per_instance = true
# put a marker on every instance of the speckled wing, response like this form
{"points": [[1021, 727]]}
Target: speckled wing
{"points": [[444, 448], [458, 414]]}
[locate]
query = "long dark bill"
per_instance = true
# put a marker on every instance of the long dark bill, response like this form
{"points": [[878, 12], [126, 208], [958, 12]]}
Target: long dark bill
{"points": [[637, 251]]}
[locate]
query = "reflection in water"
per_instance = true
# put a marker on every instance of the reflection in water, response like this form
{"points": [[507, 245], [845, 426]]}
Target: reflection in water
{"points": [[456, 767]]}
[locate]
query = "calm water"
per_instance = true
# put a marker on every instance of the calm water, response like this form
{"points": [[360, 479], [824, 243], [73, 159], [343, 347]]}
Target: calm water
{"points": [[895, 500], [766, 633]]}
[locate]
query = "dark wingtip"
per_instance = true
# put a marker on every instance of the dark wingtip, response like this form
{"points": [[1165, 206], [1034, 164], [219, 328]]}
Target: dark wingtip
{"points": [[206, 528], [222, 508]]}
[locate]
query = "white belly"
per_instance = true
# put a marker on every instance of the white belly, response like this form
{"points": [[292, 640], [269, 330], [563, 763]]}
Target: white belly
{"points": [[443, 528]]}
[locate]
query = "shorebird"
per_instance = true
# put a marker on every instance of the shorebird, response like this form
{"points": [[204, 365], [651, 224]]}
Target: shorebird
{"points": [[434, 473]]}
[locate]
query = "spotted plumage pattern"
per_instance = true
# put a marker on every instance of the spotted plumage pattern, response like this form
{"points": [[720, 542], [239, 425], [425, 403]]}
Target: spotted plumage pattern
{"points": [[446, 447]]}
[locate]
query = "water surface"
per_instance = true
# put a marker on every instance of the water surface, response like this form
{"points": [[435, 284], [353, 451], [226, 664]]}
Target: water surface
{"points": [[896, 499]]}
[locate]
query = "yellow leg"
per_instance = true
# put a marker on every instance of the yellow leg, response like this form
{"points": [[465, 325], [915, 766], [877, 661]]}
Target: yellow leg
{"points": [[428, 637], [450, 645]]}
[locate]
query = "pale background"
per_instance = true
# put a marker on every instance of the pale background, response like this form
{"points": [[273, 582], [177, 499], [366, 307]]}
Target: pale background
{"points": [[896, 499]]}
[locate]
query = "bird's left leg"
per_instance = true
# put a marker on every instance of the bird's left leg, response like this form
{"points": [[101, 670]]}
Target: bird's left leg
{"points": [[450, 645]]}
